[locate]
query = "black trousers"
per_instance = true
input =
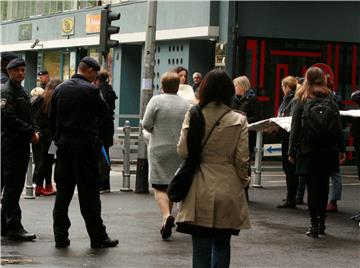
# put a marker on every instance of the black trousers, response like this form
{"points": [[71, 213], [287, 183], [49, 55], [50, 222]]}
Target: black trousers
{"points": [[36, 155], [104, 170], [46, 163], [77, 165], [289, 169], [318, 190], [14, 161]]}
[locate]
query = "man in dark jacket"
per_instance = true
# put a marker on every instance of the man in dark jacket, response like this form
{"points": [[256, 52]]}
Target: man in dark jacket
{"points": [[74, 106], [17, 130]]}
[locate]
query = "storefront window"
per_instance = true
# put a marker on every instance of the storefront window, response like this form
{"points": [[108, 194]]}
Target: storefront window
{"points": [[66, 66], [52, 62]]}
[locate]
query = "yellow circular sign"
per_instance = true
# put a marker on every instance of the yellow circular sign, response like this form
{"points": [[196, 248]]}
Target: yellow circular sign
{"points": [[68, 25]]}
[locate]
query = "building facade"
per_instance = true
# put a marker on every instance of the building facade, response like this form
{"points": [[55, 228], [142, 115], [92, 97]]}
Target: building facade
{"points": [[264, 40]]}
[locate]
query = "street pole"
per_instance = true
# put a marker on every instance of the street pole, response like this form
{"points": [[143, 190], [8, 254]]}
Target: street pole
{"points": [[235, 33], [105, 62], [142, 185]]}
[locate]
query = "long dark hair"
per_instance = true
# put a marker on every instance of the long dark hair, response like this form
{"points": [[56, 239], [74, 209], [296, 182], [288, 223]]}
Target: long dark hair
{"points": [[216, 86], [179, 69], [48, 93], [314, 85]]}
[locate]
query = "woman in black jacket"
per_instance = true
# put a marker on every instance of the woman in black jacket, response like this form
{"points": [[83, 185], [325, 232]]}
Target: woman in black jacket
{"points": [[315, 160], [47, 160], [288, 85], [106, 126]]}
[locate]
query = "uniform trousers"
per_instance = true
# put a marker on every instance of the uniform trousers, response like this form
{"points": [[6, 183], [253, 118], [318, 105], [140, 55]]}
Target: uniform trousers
{"points": [[14, 162], [77, 165]]}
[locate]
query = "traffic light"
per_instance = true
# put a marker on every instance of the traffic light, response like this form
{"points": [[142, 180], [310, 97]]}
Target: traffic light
{"points": [[106, 30]]}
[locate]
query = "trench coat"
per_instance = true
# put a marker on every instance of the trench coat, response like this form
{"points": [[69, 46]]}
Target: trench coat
{"points": [[217, 198]]}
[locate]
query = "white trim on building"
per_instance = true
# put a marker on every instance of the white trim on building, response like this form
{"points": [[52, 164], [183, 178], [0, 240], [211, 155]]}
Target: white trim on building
{"points": [[205, 32]]}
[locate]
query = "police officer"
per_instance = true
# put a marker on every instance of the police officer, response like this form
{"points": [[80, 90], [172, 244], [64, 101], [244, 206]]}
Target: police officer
{"points": [[6, 57], [43, 78], [17, 130], [74, 106]]}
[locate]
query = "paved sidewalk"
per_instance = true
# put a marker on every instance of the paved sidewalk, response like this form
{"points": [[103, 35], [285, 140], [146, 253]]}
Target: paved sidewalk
{"points": [[277, 238]]}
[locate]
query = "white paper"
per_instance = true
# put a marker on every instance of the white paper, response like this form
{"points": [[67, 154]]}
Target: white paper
{"points": [[52, 148]]}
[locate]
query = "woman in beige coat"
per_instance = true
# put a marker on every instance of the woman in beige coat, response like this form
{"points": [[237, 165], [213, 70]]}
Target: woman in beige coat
{"points": [[215, 207]]}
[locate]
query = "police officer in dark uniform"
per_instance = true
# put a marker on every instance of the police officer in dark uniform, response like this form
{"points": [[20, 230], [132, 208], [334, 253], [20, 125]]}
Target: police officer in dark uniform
{"points": [[43, 78], [74, 106], [17, 130], [6, 57]]}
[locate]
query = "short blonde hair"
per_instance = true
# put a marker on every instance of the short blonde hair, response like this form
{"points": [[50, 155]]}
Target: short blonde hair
{"points": [[242, 81], [38, 91]]}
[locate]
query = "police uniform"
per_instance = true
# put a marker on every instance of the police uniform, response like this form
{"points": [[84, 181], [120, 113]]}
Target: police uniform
{"points": [[17, 129], [74, 106], [44, 72]]}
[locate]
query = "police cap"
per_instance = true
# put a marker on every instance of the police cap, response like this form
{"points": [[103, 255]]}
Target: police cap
{"points": [[15, 63], [44, 72], [91, 63], [8, 56]]}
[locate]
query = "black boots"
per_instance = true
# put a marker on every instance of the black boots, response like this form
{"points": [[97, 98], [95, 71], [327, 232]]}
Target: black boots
{"points": [[287, 204], [106, 243], [20, 235], [317, 227], [314, 229], [322, 226], [313, 232]]}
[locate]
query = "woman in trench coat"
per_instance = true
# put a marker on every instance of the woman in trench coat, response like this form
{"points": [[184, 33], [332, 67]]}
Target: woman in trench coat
{"points": [[216, 207]]}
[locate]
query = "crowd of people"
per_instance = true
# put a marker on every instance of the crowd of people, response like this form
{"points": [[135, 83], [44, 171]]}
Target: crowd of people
{"points": [[74, 121]]}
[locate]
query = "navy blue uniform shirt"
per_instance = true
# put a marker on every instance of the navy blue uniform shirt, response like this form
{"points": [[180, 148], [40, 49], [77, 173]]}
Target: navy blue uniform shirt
{"points": [[74, 106]]}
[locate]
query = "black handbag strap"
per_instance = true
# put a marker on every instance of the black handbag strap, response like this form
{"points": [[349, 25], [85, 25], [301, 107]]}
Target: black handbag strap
{"points": [[212, 129]]}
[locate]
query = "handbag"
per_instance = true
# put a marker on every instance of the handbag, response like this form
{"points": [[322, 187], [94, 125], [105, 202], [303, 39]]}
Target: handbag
{"points": [[180, 184]]}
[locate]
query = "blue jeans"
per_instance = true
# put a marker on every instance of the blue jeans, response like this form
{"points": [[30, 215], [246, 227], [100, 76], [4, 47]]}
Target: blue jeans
{"points": [[211, 252], [336, 186], [335, 190]]}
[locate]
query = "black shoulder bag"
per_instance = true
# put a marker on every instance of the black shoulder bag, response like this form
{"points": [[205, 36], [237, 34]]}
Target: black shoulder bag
{"points": [[180, 184]]}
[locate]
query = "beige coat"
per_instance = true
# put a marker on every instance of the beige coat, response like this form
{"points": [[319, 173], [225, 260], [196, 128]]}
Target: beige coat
{"points": [[217, 198]]}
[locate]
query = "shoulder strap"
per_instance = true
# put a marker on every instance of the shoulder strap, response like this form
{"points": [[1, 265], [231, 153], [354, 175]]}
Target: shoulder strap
{"points": [[212, 129]]}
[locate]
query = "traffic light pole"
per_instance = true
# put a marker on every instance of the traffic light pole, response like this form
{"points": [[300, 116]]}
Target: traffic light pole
{"points": [[142, 185], [105, 62]]}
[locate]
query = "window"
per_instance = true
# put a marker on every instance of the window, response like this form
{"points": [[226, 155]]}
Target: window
{"points": [[52, 60], [4, 11]]}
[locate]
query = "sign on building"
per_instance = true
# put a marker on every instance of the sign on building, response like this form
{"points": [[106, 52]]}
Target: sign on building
{"points": [[25, 32], [68, 25], [93, 23]]}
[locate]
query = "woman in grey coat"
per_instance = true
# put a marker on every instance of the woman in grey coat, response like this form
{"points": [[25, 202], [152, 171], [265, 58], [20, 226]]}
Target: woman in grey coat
{"points": [[163, 118]]}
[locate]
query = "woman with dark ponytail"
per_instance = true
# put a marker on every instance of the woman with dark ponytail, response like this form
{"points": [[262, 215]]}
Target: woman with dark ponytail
{"points": [[316, 156]]}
